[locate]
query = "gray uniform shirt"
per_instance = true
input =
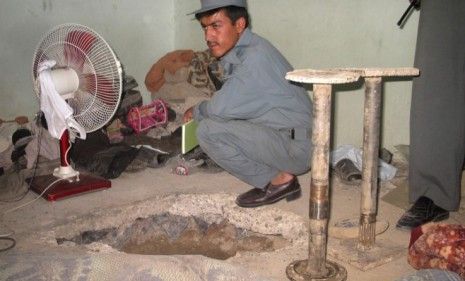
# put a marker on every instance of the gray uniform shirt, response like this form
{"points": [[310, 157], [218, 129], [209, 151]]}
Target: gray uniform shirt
{"points": [[255, 88]]}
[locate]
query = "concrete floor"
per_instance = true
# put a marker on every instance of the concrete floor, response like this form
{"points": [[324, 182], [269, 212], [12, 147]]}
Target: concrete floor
{"points": [[133, 191]]}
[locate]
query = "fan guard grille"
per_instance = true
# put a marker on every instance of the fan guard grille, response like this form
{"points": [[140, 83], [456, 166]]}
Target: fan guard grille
{"points": [[86, 52]]}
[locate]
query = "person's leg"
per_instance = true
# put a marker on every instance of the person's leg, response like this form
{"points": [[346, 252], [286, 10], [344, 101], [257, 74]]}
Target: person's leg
{"points": [[437, 124], [253, 153]]}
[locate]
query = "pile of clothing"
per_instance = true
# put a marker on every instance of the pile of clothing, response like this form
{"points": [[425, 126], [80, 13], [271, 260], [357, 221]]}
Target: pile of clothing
{"points": [[24, 143], [178, 80], [26, 149]]}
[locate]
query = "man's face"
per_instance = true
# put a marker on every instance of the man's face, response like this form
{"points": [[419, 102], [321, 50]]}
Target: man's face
{"points": [[221, 34]]}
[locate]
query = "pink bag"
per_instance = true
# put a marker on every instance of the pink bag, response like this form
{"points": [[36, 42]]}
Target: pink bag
{"points": [[147, 116]]}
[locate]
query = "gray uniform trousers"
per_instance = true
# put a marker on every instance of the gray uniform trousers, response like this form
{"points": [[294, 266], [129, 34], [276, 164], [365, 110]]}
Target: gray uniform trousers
{"points": [[437, 122], [251, 152]]}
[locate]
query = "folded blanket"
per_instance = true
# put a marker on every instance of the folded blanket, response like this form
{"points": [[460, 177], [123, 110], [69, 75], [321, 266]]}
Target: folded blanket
{"points": [[440, 246]]}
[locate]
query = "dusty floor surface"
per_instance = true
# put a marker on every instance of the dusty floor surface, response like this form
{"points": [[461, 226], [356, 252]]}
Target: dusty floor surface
{"points": [[146, 188]]}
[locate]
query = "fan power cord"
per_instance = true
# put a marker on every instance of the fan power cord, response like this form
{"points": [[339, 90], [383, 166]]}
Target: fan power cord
{"points": [[11, 246], [33, 200], [6, 236]]}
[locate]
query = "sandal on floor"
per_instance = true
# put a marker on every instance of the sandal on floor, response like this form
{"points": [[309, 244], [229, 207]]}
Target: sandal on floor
{"points": [[347, 171]]}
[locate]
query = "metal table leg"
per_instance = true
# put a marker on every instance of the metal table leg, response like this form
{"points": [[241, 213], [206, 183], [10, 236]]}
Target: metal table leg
{"points": [[371, 124], [365, 253], [371, 138], [317, 267]]}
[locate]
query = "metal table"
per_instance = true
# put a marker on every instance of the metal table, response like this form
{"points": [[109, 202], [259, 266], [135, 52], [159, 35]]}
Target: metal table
{"points": [[317, 267]]}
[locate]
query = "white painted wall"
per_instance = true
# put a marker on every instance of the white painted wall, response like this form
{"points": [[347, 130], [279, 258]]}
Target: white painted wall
{"points": [[310, 33]]}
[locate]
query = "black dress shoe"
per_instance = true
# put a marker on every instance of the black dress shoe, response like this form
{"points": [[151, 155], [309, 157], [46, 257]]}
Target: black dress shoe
{"points": [[270, 194], [422, 211]]}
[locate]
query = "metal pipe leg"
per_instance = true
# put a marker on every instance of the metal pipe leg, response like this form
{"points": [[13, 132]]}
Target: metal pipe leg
{"points": [[371, 127], [317, 267], [319, 205]]}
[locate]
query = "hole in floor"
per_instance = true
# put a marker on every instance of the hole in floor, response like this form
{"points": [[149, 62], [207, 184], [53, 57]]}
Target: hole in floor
{"points": [[167, 234]]}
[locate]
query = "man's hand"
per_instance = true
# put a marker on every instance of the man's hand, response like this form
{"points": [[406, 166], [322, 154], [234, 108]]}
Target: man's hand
{"points": [[188, 115]]}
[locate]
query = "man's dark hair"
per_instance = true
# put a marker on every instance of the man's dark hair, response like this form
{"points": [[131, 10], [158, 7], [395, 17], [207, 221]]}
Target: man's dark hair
{"points": [[232, 12]]}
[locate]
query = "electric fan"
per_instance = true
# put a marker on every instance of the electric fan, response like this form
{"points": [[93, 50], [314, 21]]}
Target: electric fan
{"points": [[78, 80]]}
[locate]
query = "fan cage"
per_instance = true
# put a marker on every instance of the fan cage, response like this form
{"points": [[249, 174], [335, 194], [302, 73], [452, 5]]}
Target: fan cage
{"points": [[99, 71]]}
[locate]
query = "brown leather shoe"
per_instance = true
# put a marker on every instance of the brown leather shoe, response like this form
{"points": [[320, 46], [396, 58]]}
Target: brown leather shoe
{"points": [[270, 194]]}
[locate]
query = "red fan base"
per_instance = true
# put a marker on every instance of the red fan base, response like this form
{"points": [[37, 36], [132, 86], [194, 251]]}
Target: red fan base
{"points": [[68, 187], [72, 182]]}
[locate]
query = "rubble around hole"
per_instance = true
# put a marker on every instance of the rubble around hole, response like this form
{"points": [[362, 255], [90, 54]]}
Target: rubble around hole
{"points": [[206, 209]]}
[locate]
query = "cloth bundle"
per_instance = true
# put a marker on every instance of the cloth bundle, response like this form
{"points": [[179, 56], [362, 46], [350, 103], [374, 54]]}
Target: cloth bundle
{"points": [[199, 69], [58, 113], [171, 62], [440, 246]]}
